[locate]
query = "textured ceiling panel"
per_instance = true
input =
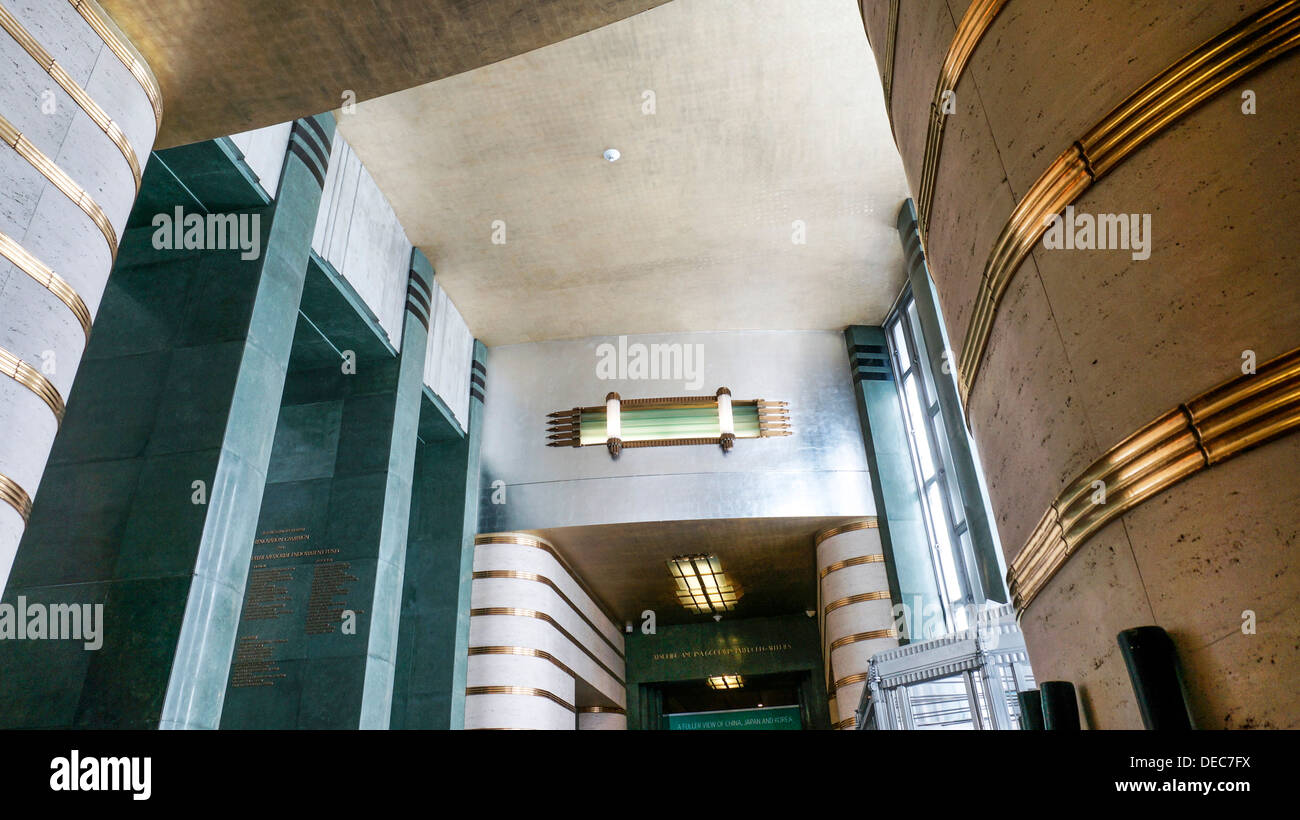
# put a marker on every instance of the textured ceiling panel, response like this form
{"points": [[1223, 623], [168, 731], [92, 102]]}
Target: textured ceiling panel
{"points": [[231, 65], [768, 127]]}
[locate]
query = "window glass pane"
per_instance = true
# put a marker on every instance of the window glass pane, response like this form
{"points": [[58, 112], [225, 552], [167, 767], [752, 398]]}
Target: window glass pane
{"points": [[917, 423], [958, 509], [931, 397], [900, 346], [943, 539]]}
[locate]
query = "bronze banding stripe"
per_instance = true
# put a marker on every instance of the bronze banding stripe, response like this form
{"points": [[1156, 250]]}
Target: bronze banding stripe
{"points": [[523, 651], [864, 524], [862, 597], [521, 575], [537, 542], [60, 179], [874, 558], [542, 616], [1180, 88], [599, 710], [863, 636], [850, 680], [47, 278], [974, 23], [891, 44], [521, 690], [38, 53], [133, 61], [15, 496], [1241, 413], [31, 378], [848, 723]]}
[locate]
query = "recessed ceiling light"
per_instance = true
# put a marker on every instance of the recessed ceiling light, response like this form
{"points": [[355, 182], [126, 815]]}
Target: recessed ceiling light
{"points": [[612, 154]]}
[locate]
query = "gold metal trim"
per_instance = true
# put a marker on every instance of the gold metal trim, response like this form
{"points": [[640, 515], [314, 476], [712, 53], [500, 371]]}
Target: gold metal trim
{"points": [[520, 575], [120, 46], [865, 524], [15, 496], [38, 53], [850, 680], [974, 23], [60, 179], [521, 690], [1190, 81], [537, 542], [848, 723], [47, 278], [542, 616], [861, 597], [863, 636], [873, 558], [598, 710], [522, 651], [891, 37], [1235, 416], [31, 378]]}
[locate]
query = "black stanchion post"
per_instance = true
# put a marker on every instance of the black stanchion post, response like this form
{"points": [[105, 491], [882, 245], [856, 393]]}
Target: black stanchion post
{"points": [[1060, 709], [1157, 680], [1031, 709]]}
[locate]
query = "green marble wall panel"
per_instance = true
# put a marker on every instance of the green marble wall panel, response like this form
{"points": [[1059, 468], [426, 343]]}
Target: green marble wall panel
{"points": [[429, 685], [197, 685], [180, 383]]}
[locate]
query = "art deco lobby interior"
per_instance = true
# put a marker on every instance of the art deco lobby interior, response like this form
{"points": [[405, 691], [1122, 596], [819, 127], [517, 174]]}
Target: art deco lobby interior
{"points": [[649, 364]]}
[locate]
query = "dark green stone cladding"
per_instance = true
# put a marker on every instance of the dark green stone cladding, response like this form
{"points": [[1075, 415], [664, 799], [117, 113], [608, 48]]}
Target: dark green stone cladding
{"points": [[432, 653], [752, 646], [179, 384]]}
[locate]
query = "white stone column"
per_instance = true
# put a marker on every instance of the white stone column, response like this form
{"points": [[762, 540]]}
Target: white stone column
{"points": [[534, 632], [856, 612], [79, 111], [601, 718]]}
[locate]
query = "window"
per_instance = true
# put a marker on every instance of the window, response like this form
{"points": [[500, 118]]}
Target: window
{"points": [[951, 551]]}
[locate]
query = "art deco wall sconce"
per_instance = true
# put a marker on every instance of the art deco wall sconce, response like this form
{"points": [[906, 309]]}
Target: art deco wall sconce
{"points": [[716, 419]]}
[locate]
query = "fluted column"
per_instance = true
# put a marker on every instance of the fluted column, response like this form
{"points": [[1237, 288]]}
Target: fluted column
{"points": [[534, 632], [856, 611], [79, 111]]}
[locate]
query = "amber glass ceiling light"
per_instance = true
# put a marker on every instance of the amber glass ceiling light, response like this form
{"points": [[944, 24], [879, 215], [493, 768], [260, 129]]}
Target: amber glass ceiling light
{"points": [[726, 682], [702, 586], [716, 419]]}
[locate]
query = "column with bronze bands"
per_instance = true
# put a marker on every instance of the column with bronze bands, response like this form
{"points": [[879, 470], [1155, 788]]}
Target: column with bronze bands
{"points": [[78, 113], [855, 611], [537, 638], [602, 718], [1111, 236]]}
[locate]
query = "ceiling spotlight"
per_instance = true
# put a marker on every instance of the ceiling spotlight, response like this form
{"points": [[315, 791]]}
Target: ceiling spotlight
{"points": [[612, 154]]}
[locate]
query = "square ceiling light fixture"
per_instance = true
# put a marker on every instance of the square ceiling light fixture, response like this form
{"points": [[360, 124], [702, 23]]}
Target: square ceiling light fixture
{"points": [[623, 423], [726, 682], [702, 587]]}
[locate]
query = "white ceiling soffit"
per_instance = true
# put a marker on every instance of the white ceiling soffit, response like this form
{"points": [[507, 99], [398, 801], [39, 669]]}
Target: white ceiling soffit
{"points": [[764, 125]]}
